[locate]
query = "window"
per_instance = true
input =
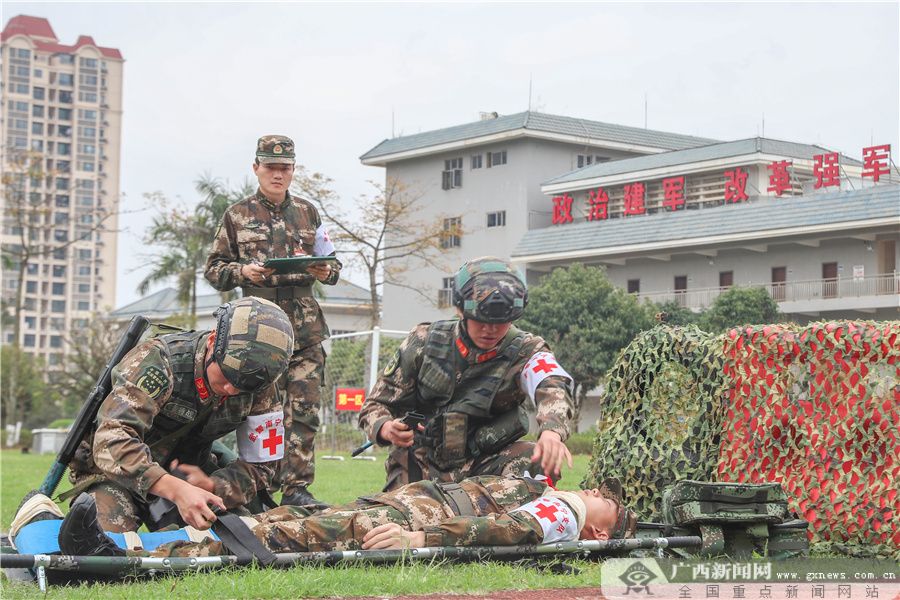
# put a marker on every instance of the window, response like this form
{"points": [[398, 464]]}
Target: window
{"points": [[62, 183], [495, 159], [84, 254], [20, 124], [85, 79], [29, 340], [59, 270], [21, 53], [84, 288], [726, 279], [16, 106], [452, 233], [90, 115], [634, 286], [84, 270], [37, 145], [58, 306], [59, 289], [56, 341], [64, 149], [65, 59], [86, 166], [90, 132], [66, 79], [37, 128], [38, 93], [65, 131], [38, 73], [62, 200], [30, 322], [680, 289], [31, 287], [87, 149], [84, 305], [496, 219], [451, 177], [88, 63], [19, 71], [590, 159], [82, 96], [65, 114], [476, 161], [445, 294], [37, 110], [63, 166]]}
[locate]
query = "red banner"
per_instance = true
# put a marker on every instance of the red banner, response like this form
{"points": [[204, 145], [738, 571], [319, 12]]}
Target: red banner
{"points": [[349, 398]]}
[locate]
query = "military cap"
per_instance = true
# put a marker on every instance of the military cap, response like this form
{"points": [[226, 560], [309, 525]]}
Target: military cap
{"points": [[626, 520], [275, 149]]}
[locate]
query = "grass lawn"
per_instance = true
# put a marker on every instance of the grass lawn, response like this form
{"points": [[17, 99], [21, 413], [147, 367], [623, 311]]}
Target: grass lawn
{"points": [[336, 482]]}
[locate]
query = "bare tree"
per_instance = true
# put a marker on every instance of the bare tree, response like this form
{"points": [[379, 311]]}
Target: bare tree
{"points": [[387, 233], [30, 217]]}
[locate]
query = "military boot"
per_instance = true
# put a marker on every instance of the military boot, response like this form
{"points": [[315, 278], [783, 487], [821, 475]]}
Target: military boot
{"points": [[80, 533], [301, 497]]}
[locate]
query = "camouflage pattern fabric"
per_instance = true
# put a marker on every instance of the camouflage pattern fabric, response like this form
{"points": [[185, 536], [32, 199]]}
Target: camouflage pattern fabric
{"points": [[486, 280], [693, 502], [397, 391], [302, 389], [275, 149], [252, 231], [144, 386], [420, 506], [815, 408], [660, 415]]}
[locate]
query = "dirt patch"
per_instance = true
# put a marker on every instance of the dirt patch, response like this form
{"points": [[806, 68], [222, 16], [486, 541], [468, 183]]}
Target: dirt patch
{"points": [[588, 593]]}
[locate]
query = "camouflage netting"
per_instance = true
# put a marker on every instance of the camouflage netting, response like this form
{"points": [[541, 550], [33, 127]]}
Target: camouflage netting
{"points": [[661, 414], [816, 408]]}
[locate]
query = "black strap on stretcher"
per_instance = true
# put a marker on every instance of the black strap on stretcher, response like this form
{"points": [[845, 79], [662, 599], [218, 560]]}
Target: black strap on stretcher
{"points": [[240, 541]]}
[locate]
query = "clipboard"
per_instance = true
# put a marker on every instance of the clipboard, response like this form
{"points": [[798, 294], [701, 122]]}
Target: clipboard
{"points": [[298, 264]]}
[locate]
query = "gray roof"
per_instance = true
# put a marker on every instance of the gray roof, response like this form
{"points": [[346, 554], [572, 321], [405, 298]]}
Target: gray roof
{"points": [[535, 121], [759, 214], [697, 154], [165, 301]]}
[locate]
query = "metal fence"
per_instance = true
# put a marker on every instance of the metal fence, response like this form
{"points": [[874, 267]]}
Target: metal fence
{"points": [[352, 368]]}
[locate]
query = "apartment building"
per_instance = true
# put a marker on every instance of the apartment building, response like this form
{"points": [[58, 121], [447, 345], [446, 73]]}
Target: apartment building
{"points": [[483, 180], [62, 113]]}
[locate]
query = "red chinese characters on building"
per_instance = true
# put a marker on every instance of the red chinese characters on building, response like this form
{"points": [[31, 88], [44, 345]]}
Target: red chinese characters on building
{"points": [[827, 170], [736, 185], [598, 203], [876, 161], [673, 193], [633, 200], [779, 177], [562, 209]]}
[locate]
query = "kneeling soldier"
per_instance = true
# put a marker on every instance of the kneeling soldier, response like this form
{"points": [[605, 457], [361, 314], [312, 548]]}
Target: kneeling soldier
{"points": [[171, 397], [471, 379]]}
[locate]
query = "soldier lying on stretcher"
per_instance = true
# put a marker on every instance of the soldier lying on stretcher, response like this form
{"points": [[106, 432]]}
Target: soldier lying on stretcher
{"points": [[479, 511]]}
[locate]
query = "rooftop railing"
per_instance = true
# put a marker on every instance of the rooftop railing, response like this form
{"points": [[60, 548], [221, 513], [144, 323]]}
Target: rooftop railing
{"points": [[790, 291]]}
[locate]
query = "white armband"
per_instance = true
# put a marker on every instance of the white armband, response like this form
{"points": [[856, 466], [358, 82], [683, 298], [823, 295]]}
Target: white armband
{"points": [[261, 437], [556, 518], [541, 366], [322, 245]]}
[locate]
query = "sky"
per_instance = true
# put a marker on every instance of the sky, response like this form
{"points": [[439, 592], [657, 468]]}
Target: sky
{"points": [[204, 80]]}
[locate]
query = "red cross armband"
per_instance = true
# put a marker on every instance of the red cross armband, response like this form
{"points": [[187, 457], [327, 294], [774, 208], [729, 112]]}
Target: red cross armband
{"points": [[261, 437], [541, 366], [556, 518]]}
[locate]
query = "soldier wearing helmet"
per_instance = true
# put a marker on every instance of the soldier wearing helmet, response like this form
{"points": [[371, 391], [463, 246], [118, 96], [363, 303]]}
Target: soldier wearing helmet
{"points": [[471, 378], [171, 397]]}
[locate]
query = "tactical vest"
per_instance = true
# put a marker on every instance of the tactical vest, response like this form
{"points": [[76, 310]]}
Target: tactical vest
{"points": [[185, 406], [457, 403]]}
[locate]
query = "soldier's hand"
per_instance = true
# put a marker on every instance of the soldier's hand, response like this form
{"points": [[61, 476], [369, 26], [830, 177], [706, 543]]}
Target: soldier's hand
{"points": [[256, 273], [320, 272], [551, 452], [392, 536], [397, 433], [193, 505], [194, 475]]}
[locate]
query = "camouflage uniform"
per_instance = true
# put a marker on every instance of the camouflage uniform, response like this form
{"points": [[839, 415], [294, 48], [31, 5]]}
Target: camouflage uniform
{"points": [[253, 231], [159, 388], [455, 371], [491, 519]]}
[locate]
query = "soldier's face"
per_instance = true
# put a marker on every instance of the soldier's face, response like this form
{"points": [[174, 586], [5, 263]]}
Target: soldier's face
{"points": [[486, 335], [219, 385], [601, 515], [274, 178]]}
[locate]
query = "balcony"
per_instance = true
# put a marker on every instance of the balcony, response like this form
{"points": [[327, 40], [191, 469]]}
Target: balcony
{"points": [[811, 296]]}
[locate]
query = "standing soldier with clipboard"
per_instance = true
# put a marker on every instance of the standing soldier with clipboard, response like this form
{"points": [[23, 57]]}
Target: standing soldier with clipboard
{"points": [[273, 224]]}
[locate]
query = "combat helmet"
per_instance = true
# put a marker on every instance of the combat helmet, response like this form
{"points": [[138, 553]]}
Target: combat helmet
{"points": [[490, 290], [254, 341]]}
